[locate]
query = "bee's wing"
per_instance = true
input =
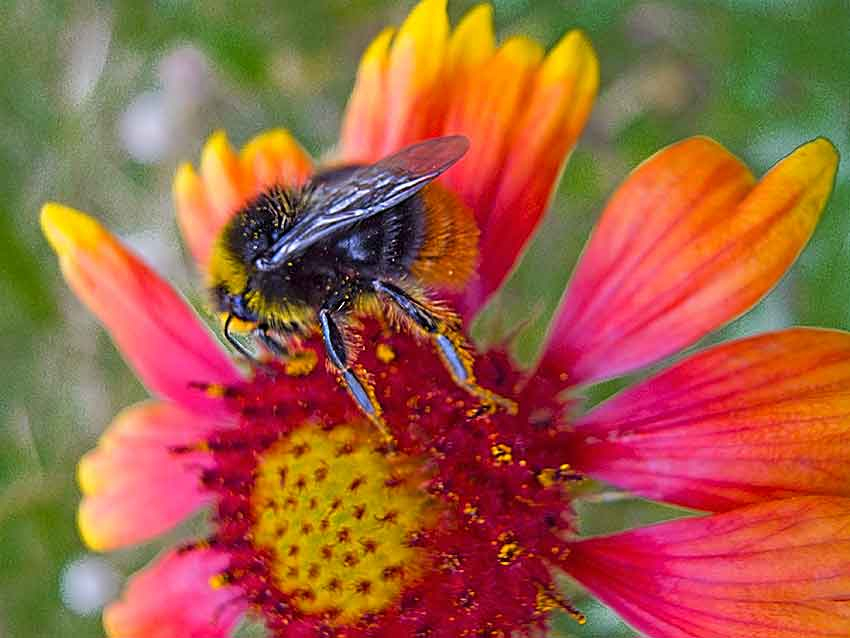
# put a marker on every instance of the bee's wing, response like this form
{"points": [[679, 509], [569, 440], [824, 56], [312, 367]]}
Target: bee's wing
{"points": [[337, 203]]}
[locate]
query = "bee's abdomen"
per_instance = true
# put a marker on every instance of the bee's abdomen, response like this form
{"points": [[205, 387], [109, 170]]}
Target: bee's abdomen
{"points": [[448, 253], [386, 245]]}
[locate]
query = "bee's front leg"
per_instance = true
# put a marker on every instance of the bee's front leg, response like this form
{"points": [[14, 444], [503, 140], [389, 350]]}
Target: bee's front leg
{"points": [[337, 352]]}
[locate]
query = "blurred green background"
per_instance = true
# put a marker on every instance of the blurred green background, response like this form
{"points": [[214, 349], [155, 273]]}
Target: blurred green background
{"points": [[99, 101]]}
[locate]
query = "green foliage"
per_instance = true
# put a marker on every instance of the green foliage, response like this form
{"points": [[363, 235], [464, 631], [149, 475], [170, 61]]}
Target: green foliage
{"points": [[760, 77]]}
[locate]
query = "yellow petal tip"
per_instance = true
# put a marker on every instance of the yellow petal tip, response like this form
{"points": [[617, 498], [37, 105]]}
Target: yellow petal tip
{"points": [[822, 150], [377, 52], [276, 141], [427, 22], [86, 479], [185, 179], [427, 8], [473, 41], [812, 166], [67, 229], [574, 58], [523, 51], [217, 148], [87, 531]]}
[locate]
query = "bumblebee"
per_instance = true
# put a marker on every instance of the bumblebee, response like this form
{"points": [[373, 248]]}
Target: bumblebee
{"points": [[354, 240]]}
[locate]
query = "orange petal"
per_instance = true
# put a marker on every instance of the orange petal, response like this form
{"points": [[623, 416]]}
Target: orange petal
{"points": [[484, 106], [135, 486], [362, 126], [774, 570], [226, 185], [399, 97], [413, 83], [274, 158], [686, 244], [197, 220], [541, 139], [748, 421], [156, 331], [521, 113], [414, 73], [173, 598]]}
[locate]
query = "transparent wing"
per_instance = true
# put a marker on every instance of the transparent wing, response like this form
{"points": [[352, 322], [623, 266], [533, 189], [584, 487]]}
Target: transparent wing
{"points": [[339, 201]]}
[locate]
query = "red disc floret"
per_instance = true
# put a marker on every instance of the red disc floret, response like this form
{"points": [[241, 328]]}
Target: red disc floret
{"points": [[498, 479]]}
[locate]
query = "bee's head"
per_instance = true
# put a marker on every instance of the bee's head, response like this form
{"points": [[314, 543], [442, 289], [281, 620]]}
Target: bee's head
{"points": [[246, 237], [235, 304], [258, 225], [229, 277]]}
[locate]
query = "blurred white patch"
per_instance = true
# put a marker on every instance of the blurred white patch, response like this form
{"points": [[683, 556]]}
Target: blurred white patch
{"points": [[87, 43], [652, 22], [664, 85], [144, 128], [87, 584], [185, 76], [290, 71], [153, 126]]}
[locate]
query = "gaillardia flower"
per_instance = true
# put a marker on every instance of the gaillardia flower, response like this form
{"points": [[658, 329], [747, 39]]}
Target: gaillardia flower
{"points": [[320, 530]]}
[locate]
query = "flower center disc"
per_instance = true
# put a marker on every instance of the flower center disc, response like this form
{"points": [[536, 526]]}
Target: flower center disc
{"points": [[339, 518]]}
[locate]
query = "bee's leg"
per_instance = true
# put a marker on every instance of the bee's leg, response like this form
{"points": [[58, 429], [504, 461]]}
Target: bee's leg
{"points": [[449, 342], [261, 332], [338, 354]]}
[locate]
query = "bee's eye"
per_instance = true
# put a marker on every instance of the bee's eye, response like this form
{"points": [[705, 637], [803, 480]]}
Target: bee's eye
{"points": [[239, 308], [220, 298], [237, 305]]}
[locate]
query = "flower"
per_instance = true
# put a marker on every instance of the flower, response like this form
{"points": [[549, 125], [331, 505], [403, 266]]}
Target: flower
{"points": [[320, 530]]}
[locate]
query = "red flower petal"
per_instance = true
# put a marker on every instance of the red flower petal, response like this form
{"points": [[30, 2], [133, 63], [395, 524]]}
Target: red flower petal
{"points": [[753, 420], [174, 598], [135, 487], [157, 332], [521, 113], [686, 244], [773, 570]]}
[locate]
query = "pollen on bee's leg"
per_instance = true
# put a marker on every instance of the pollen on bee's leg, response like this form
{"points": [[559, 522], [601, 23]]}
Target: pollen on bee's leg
{"points": [[459, 363], [364, 394]]}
